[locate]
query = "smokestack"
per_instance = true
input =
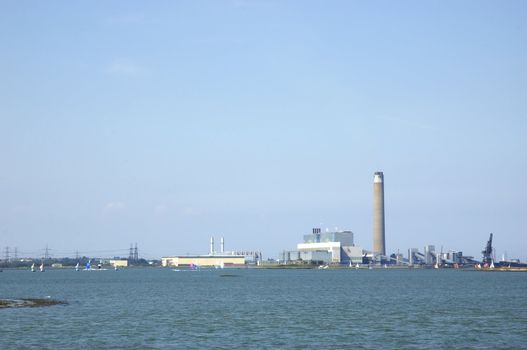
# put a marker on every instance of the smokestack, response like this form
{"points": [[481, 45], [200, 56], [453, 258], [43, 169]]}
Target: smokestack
{"points": [[211, 245], [379, 241], [222, 245]]}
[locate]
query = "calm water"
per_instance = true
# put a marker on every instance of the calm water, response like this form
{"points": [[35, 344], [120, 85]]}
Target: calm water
{"points": [[256, 309]]}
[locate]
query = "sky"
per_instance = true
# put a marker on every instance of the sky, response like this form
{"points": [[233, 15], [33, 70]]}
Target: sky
{"points": [[167, 122]]}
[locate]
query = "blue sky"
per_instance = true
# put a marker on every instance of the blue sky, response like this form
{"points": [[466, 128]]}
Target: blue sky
{"points": [[165, 123]]}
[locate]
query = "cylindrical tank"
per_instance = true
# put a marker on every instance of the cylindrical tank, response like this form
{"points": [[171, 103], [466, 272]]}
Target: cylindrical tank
{"points": [[379, 241]]}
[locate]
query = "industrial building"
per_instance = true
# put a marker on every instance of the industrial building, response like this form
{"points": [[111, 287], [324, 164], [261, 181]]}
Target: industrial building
{"points": [[119, 263], [327, 247], [430, 257], [338, 247], [203, 260], [213, 259]]}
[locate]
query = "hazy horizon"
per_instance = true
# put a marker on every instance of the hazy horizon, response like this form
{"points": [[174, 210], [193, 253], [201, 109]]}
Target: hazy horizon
{"points": [[166, 123]]}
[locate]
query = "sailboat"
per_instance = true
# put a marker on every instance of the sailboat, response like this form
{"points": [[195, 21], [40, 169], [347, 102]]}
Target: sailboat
{"points": [[492, 264], [33, 267], [77, 267], [42, 267], [88, 265]]}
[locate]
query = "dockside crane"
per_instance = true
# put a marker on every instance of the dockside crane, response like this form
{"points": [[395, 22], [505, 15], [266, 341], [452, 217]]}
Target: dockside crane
{"points": [[487, 253]]}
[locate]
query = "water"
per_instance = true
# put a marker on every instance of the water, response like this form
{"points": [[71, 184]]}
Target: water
{"points": [[266, 309]]}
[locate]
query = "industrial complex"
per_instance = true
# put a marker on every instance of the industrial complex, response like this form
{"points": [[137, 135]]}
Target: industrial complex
{"points": [[214, 259], [320, 247], [338, 248]]}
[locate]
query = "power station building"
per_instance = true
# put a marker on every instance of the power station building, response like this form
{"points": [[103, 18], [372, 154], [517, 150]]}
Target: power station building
{"points": [[213, 259], [338, 247], [203, 260], [335, 247]]}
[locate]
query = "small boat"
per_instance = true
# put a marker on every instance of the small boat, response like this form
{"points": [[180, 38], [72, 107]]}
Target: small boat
{"points": [[42, 267], [33, 267], [357, 266], [77, 267]]}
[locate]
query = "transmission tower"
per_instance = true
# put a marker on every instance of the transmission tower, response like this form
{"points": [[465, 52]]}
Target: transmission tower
{"points": [[136, 253], [6, 254], [131, 254], [16, 254], [46, 254]]}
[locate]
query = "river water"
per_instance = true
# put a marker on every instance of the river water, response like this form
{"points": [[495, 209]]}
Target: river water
{"points": [[266, 309]]}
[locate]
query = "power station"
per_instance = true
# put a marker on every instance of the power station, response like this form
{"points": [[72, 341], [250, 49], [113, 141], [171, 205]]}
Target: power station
{"points": [[379, 240]]}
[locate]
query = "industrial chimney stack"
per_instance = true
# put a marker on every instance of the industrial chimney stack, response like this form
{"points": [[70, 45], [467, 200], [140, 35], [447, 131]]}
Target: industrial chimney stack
{"points": [[222, 245], [211, 245], [379, 241]]}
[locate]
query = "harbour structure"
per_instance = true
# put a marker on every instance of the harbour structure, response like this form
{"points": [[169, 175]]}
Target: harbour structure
{"points": [[336, 247], [213, 259], [379, 239], [430, 255]]}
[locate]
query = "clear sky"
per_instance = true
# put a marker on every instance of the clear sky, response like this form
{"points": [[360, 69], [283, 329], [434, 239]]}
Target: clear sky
{"points": [[166, 122]]}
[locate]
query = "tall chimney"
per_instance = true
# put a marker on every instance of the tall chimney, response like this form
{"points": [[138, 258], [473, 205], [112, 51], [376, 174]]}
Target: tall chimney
{"points": [[379, 240], [211, 245], [222, 245]]}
